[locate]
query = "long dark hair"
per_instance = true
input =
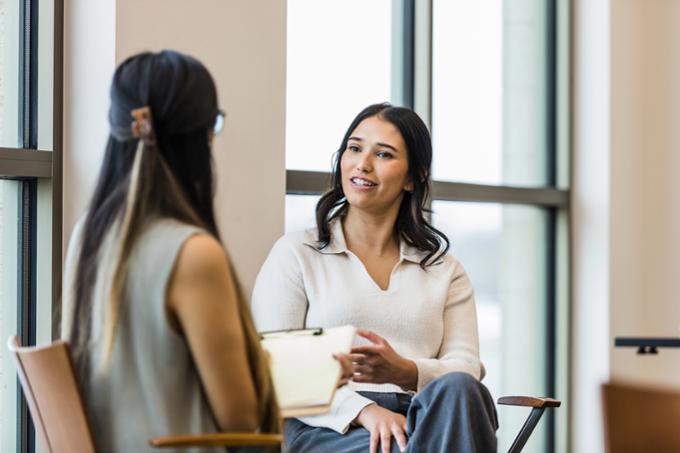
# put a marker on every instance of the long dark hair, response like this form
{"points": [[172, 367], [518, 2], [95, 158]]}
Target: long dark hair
{"points": [[167, 175], [411, 226]]}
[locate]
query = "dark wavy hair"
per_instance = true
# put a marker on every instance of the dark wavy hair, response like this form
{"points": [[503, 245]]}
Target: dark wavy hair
{"points": [[411, 225], [142, 181]]}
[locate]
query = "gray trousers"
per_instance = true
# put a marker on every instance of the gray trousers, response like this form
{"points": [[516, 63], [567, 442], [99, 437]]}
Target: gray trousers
{"points": [[454, 413]]}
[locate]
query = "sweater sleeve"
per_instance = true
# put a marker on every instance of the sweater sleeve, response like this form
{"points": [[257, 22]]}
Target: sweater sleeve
{"points": [[280, 302], [345, 407], [460, 344]]}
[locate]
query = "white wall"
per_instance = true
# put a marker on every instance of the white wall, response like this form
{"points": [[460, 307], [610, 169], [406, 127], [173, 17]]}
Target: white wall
{"points": [[626, 198], [243, 44], [89, 61]]}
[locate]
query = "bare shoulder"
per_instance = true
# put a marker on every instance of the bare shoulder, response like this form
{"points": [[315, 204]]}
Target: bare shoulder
{"points": [[201, 254], [201, 272]]}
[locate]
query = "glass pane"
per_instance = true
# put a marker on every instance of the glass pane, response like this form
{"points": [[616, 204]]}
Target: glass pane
{"points": [[9, 73], [339, 61], [300, 212], [489, 91], [503, 249], [9, 196], [45, 74]]}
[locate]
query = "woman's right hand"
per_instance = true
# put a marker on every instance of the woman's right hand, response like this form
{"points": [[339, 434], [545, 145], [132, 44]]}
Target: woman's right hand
{"points": [[383, 424]]}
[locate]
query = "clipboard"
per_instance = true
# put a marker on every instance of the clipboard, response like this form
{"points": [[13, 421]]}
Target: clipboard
{"points": [[304, 372]]}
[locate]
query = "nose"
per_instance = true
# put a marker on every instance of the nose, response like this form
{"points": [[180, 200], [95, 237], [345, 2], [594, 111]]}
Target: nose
{"points": [[364, 163]]}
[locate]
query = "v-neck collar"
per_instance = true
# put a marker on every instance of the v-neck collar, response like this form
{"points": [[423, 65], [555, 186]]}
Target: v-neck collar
{"points": [[338, 244]]}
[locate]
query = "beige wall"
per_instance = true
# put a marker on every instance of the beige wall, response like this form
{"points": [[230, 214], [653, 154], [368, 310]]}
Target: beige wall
{"points": [[243, 44], [626, 198], [645, 184]]}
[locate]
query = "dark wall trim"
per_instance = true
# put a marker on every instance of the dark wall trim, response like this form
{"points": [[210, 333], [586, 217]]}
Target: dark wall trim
{"points": [[25, 163], [540, 196], [300, 182]]}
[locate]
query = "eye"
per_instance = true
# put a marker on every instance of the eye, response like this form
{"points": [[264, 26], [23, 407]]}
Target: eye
{"points": [[353, 148], [384, 155]]}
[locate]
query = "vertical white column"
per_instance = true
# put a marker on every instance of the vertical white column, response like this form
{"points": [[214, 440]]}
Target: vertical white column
{"points": [[590, 219], [89, 61]]}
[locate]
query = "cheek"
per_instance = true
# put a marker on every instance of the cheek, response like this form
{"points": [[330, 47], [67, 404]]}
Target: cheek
{"points": [[345, 168], [397, 174], [346, 162]]}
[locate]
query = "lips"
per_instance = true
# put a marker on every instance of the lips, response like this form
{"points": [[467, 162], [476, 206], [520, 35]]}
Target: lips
{"points": [[362, 182]]}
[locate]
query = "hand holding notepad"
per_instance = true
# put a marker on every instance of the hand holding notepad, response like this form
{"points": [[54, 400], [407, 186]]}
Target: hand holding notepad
{"points": [[304, 372]]}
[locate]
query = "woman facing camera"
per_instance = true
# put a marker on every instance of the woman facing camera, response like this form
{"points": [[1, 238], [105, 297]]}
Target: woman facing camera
{"points": [[162, 340], [374, 261]]}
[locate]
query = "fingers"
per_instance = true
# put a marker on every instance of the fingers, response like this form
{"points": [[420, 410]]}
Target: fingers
{"points": [[386, 441], [362, 378], [375, 440], [357, 357], [346, 365], [366, 350], [363, 360], [399, 436], [370, 336], [363, 368], [366, 373]]}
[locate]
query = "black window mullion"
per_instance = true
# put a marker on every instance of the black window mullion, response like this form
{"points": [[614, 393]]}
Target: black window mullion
{"points": [[551, 321], [551, 245], [409, 45], [27, 215], [26, 296], [28, 75]]}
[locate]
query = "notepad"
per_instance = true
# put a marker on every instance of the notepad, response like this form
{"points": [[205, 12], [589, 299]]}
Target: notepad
{"points": [[304, 372]]}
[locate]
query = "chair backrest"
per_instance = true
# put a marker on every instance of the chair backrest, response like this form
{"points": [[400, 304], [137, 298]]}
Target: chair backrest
{"points": [[640, 419], [51, 390]]}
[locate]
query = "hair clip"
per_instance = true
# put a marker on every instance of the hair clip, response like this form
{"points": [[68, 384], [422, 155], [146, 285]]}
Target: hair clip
{"points": [[142, 126]]}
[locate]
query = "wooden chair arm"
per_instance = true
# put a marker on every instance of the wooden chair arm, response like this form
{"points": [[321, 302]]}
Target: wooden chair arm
{"points": [[529, 401], [218, 440]]}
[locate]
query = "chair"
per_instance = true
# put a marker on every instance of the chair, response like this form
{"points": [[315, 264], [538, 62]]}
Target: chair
{"points": [[638, 419], [538, 406], [49, 383]]}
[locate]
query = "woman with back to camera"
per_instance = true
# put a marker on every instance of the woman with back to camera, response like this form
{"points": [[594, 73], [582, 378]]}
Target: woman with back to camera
{"points": [[162, 340], [375, 262]]}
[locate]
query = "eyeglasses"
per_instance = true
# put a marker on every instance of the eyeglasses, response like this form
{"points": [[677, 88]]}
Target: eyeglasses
{"points": [[219, 122]]}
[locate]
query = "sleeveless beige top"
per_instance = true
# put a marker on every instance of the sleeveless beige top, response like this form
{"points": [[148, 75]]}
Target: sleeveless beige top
{"points": [[152, 387]]}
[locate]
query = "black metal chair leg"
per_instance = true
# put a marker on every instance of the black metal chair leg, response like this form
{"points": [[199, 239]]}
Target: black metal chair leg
{"points": [[527, 429]]}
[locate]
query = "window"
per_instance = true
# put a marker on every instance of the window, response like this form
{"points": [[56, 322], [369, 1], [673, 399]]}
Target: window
{"points": [[489, 78], [30, 192], [502, 248], [490, 91], [9, 197], [338, 62]]}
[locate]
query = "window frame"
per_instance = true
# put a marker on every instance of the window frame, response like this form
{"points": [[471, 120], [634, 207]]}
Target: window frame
{"points": [[28, 165], [412, 82]]}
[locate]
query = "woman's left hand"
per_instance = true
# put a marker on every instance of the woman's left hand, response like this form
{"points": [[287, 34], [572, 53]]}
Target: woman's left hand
{"points": [[346, 366], [378, 363]]}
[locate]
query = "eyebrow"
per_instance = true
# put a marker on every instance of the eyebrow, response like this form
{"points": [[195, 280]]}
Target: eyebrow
{"points": [[384, 145]]}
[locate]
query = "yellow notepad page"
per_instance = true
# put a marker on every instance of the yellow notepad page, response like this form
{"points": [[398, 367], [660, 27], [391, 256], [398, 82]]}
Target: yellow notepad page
{"points": [[304, 372]]}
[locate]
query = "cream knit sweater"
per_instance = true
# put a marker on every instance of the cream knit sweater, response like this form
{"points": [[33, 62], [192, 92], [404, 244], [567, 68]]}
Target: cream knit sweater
{"points": [[428, 316]]}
